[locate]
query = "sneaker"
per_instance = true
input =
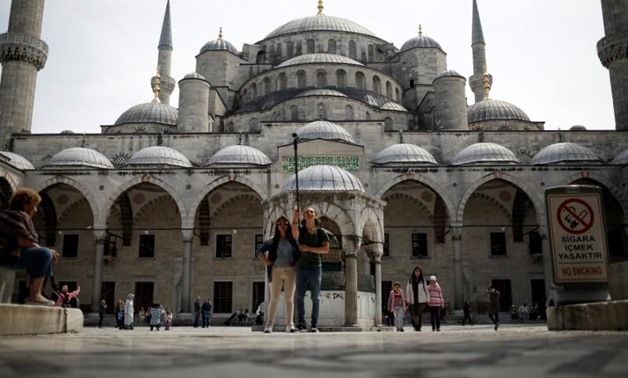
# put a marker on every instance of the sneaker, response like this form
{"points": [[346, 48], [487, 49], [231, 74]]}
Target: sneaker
{"points": [[267, 330], [301, 327], [314, 329], [496, 326], [290, 329]]}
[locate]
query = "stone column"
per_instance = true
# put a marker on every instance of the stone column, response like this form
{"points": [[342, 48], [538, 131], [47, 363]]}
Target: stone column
{"points": [[456, 238], [186, 290], [547, 261], [377, 250], [351, 246], [100, 239]]}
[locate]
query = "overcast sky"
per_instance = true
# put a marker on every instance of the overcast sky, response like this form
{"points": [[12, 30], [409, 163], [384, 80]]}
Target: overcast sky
{"points": [[541, 53]]}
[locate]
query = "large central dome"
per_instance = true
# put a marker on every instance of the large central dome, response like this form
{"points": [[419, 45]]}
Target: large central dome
{"points": [[320, 22]]}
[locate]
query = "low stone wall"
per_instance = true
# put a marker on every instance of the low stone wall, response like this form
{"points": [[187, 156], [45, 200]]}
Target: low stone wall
{"points": [[7, 280], [611, 315], [38, 320], [618, 280]]}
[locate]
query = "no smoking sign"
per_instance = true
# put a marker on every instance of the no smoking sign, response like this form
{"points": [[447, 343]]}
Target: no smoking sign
{"points": [[575, 216]]}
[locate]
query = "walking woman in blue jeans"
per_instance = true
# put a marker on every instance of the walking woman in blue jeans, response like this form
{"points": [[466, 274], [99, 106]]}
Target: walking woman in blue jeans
{"points": [[19, 246], [313, 242]]}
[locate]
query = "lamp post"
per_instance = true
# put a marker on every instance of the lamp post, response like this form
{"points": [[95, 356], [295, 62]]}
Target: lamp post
{"points": [[295, 139]]}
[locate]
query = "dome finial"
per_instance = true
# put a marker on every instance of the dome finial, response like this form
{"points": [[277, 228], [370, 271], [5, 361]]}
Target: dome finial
{"points": [[220, 33], [486, 84], [400, 136], [156, 84], [320, 7], [420, 30]]}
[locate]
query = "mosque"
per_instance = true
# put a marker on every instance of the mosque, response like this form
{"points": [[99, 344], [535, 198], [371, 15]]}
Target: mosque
{"points": [[170, 203]]}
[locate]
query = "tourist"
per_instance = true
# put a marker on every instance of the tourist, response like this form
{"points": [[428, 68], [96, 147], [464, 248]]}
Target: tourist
{"points": [[436, 303], [417, 296], [493, 307], [398, 305]]}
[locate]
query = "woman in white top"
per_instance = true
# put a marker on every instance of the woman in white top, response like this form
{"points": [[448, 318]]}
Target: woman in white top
{"points": [[417, 296]]}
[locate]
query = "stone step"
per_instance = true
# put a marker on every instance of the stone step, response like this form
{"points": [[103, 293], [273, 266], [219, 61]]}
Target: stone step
{"points": [[38, 320]]}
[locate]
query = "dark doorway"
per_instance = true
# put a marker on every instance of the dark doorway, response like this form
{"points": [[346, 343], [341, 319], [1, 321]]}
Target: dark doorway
{"points": [[108, 292], [537, 287]]}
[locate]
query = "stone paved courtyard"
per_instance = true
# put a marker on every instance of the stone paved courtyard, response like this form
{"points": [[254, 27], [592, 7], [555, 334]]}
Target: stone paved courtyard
{"points": [[473, 351]]}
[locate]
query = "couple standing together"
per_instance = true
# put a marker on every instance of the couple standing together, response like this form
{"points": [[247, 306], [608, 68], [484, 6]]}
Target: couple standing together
{"points": [[293, 261]]}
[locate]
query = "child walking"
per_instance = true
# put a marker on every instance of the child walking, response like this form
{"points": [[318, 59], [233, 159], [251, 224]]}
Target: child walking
{"points": [[397, 305]]}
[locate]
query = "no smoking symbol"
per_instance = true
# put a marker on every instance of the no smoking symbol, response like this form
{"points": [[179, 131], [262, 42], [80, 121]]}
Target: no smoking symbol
{"points": [[575, 216]]}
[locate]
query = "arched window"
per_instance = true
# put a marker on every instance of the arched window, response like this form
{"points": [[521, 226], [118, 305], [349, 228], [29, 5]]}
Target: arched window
{"points": [[290, 49], [331, 46], [348, 113], [311, 46], [283, 81], [271, 54], [254, 91], [267, 88], [359, 81], [397, 95], [341, 79], [388, 124], [299, 48], [388, 89], [321, 79], [278, 53], [353, 51], [371, 53], [377, 85], [254, 126], [260, 58], [320, 111], [301, 81], [294, 113]]}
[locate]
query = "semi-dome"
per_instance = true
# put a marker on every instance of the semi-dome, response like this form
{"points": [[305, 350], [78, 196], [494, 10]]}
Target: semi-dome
{"points": [[393, 106], [492, 153], [324, 130], [219, 44], [404, 153], [565, 152], [321, 92], [159, 156], [321, 58], [489, 109], [420, 41], [320, 22], [324, 178], [239, 154], [621, 158], [449, 73], [18, 161], [578, 128], [151, 112], [78, 157]]}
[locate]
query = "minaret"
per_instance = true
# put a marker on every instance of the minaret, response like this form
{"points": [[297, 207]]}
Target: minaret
{"points": [[613, 53], [479, 56], [22, 54], [164, 59]]}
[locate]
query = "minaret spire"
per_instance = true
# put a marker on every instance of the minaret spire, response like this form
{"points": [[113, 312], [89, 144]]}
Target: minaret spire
{"points": [[164, 59], [478, 46], [320, 7]]}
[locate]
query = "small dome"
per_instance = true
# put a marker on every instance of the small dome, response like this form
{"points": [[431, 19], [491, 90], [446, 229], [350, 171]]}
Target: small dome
{"points": [[393, 106], [404, 153], [564, 152], [489, 109], [159, 156], [239, 155], [420, 41], [18, 161], [621, 158], [324, 178], [578, 128], [78, 157], [219, 44], [450, 73], [321, 92], [67, 132], [194, 75], [370, 99], [485, 153], [151, 112], [324, 130], [320, 22], [319, 59]]}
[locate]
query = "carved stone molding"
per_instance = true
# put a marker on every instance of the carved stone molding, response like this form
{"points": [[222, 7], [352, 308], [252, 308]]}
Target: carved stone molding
{"points": [[612, 48], [24, 48]]}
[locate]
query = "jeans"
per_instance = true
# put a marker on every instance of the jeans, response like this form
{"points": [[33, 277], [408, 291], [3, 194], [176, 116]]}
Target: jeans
{"points": [[416, 309], [207, 316], [282, 277], [37, 261], [309, 279], [493, 314], [435, 317], [399, 315]]}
